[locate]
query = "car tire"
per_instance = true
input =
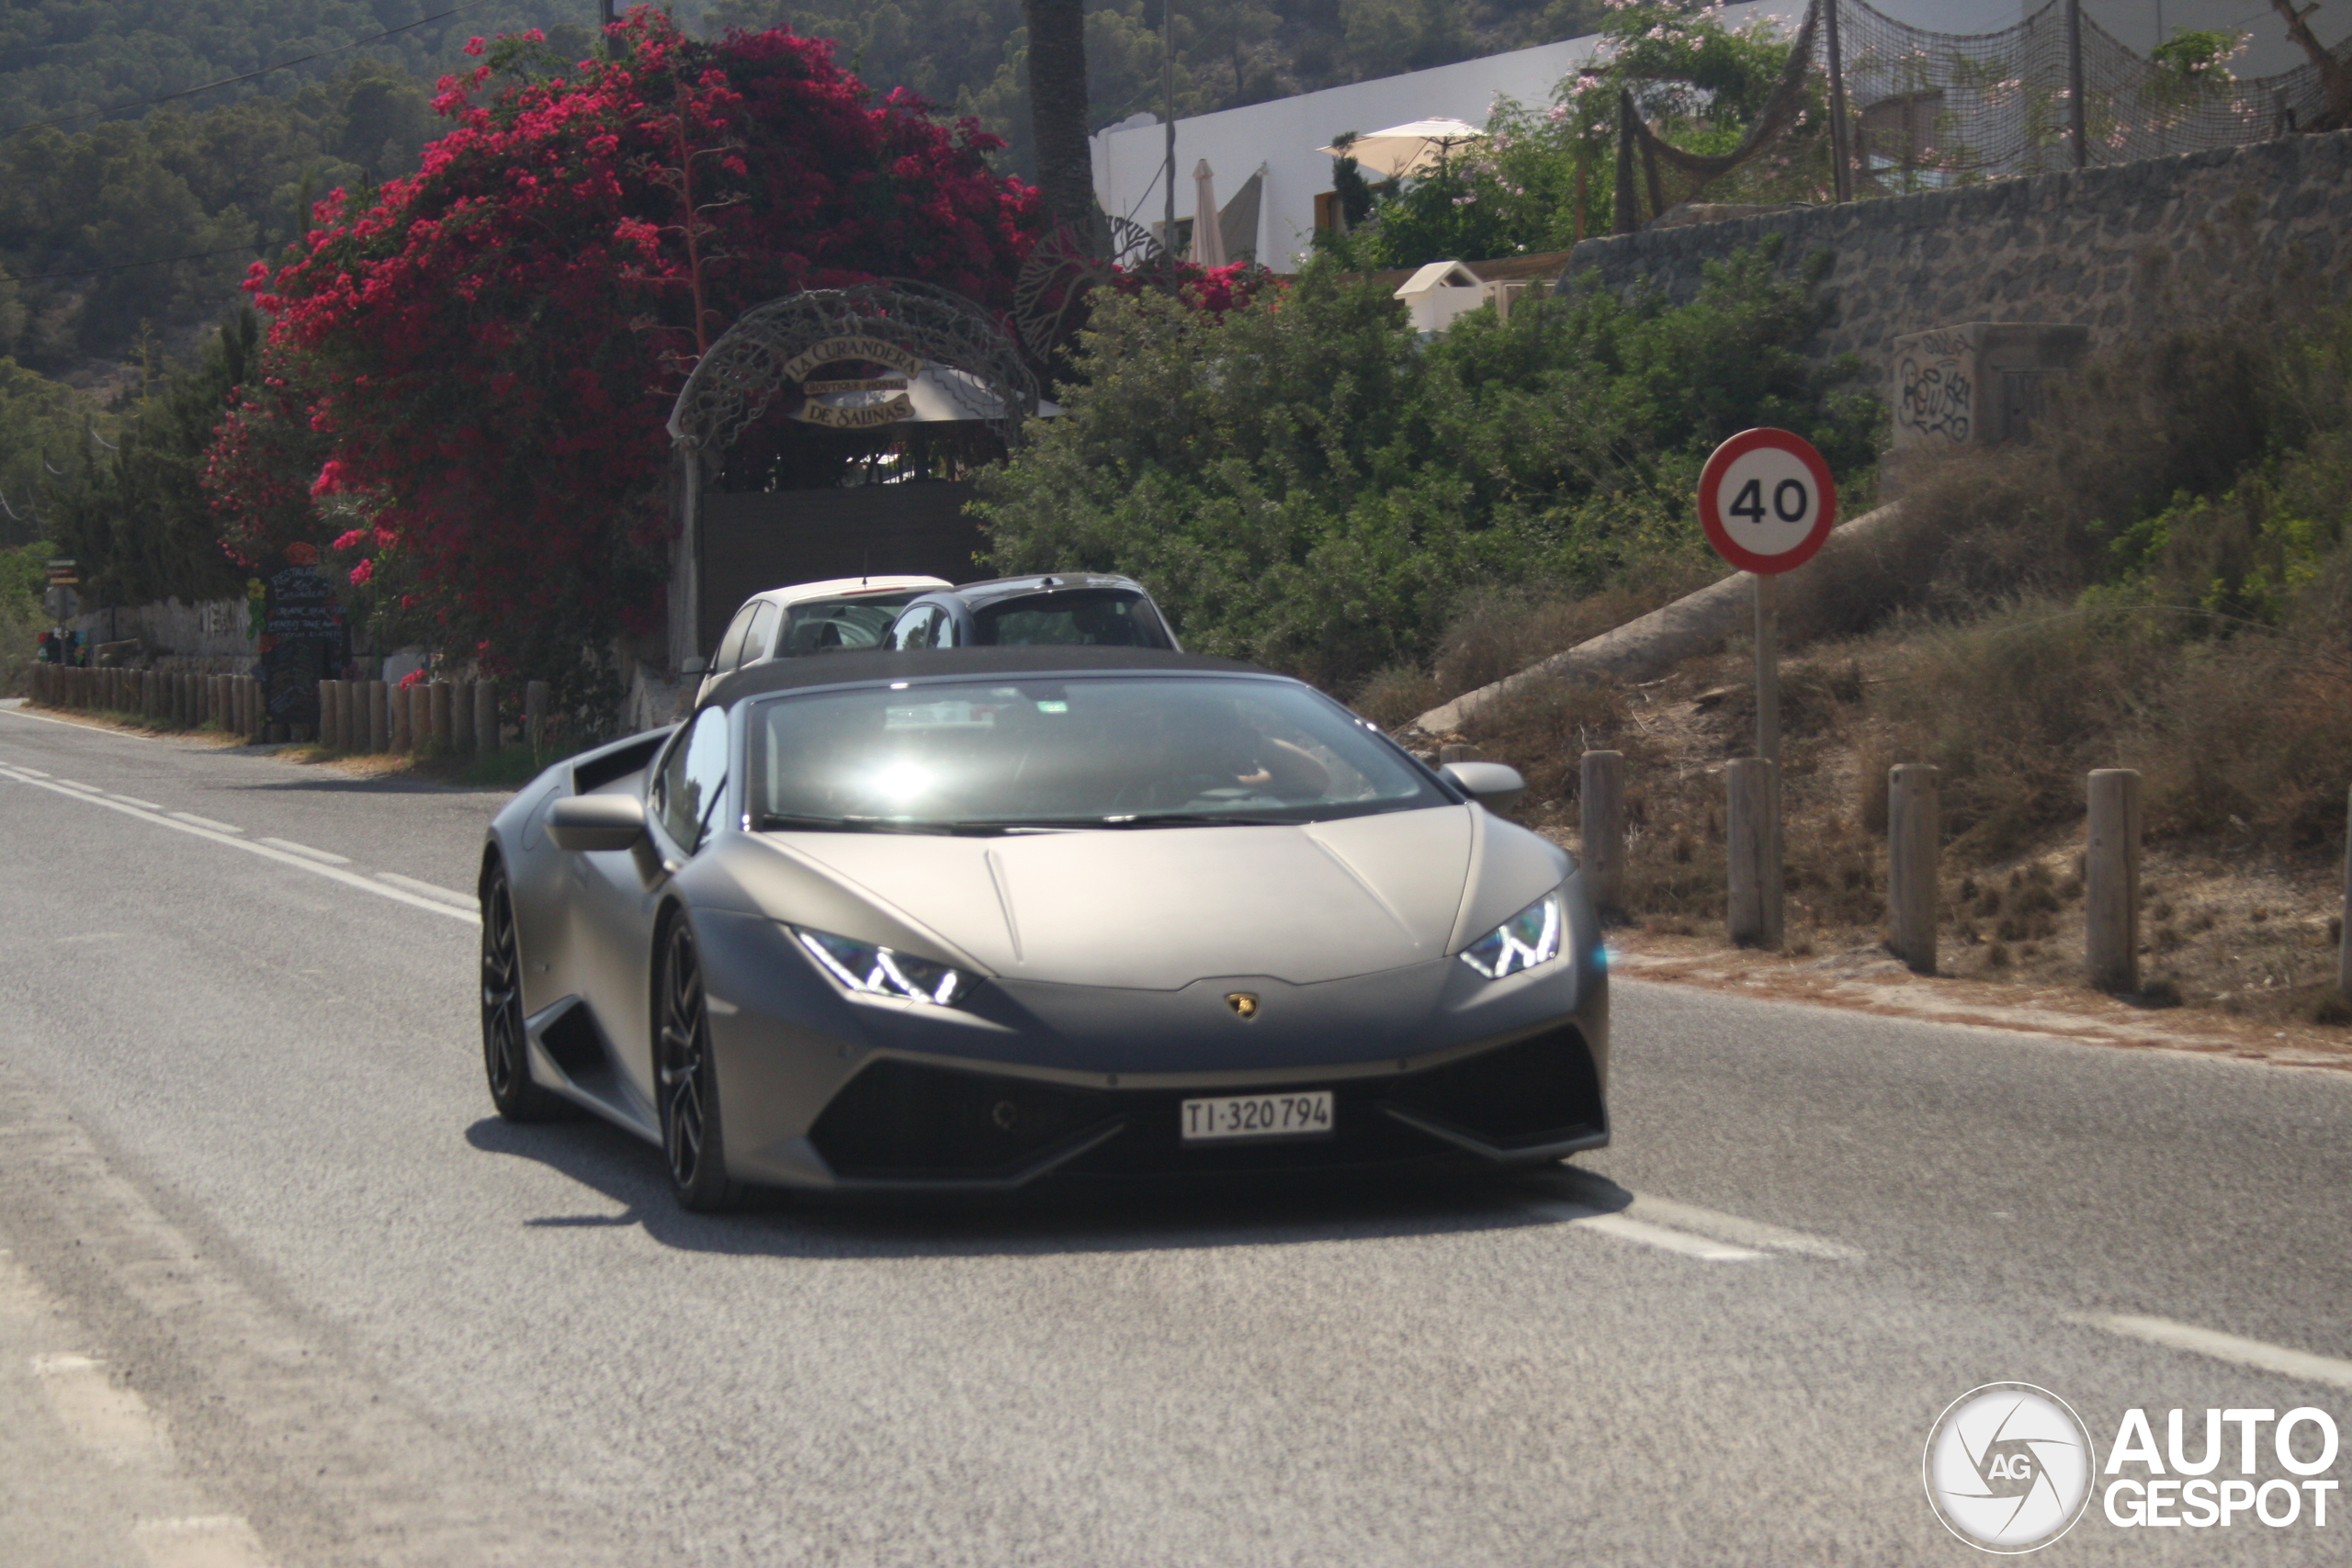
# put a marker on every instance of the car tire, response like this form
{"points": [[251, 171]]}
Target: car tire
{"points": [[692, 1141], [505, 1050]]}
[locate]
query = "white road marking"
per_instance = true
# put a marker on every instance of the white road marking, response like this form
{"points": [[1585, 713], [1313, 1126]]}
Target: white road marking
{"points": [[1734, 1227], [335, 873], [2301, 1365], [193, 819], [135, 800], [77, 784], [1648, 1235], [112, 1422], [323, 856], [430, 890], [219, 1540]]}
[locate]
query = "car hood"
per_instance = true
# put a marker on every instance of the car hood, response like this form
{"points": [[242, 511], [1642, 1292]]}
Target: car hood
{"points": [[1159, 908]]}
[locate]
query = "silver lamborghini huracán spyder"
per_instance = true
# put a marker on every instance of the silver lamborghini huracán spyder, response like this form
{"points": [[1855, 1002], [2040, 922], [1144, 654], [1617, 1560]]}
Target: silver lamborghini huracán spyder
{"points": [[959, 919]]}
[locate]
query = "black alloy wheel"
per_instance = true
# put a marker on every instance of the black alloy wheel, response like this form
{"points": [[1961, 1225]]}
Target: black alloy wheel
{"points": [[689, 1091], [505, 1051]]}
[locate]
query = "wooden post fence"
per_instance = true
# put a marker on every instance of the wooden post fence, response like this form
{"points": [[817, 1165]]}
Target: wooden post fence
{"points": [[378, 721], [1601, 835], [1914, 836], [1755, 906], [535, 716], [2112, 881], [439, 702], [485, 719]]}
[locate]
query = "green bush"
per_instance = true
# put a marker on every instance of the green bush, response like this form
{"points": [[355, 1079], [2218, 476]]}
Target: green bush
{"points": [[1301, 482]]}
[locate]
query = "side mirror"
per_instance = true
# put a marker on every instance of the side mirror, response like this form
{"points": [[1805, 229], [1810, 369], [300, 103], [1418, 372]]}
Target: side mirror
{"points": [[696, 666], [596, 822], [1491, 784]]}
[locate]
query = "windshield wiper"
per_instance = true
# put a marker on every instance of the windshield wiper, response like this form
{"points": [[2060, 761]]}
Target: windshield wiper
{"points": [[1190, 819], [783, 821]]}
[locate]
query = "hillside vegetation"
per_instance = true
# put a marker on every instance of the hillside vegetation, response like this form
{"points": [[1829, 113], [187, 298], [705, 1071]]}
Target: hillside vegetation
{"points": [[2160, 579]]}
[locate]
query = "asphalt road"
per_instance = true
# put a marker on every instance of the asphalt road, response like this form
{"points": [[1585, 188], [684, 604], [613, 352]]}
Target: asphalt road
{"points": [[279, 1287]]}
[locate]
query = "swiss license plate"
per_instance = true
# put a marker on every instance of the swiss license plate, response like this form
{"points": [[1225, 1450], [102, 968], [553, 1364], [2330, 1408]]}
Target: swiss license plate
{"points": [[1302, 1115]]}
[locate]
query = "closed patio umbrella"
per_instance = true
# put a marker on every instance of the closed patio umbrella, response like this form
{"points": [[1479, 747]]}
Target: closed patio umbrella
{"points": [[1208, 231]]}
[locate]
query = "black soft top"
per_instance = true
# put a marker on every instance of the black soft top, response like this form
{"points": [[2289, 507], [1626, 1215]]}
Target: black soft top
{"points": [[969, 663]]}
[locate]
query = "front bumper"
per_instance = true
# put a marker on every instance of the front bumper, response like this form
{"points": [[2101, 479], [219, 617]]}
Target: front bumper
{"points": [[818, 1091], [903, 1123]]}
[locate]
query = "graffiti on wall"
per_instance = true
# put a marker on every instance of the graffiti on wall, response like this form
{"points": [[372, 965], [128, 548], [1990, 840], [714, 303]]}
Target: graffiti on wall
{"points": [[1937, 396]]}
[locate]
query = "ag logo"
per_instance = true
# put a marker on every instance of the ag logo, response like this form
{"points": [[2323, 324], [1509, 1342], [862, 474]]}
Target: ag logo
{"points": [[1244, 1005], [2008, 1467]]}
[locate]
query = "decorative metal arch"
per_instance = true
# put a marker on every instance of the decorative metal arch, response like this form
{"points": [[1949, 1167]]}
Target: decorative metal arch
{"points": [[1049, 300], [742, 373]]}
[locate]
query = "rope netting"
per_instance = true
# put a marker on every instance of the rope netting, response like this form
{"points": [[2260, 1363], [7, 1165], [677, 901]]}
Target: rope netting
{"points": [[1926, 110], [1930, 109]]}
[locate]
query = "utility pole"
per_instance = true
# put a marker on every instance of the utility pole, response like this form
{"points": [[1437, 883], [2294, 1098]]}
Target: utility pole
{"points": [[1167, 114], [1842, 175], [2075, 128]]}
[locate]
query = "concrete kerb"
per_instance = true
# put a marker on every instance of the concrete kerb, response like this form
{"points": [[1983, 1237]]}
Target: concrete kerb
{"points": [[1654, 643]]}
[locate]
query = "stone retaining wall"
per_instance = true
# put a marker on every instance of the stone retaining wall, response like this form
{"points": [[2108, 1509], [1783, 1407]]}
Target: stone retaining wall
{"points": [[2129, 248]]}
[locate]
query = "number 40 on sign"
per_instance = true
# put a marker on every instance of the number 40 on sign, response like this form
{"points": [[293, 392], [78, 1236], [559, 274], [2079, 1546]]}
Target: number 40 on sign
{"points": [[1767, 500]]}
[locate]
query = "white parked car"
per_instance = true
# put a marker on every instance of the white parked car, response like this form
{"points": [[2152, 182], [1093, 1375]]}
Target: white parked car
{"points": [[813, 617]]}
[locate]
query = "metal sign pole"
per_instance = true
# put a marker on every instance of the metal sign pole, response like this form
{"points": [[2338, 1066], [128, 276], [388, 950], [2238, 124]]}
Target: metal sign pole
{"points": [[1768, 743]]}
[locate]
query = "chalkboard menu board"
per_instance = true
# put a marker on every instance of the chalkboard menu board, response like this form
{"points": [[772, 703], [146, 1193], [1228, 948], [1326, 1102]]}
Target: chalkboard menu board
{"points": [[302, 641]]}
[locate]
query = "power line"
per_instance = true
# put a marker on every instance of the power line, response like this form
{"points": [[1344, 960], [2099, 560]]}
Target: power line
{"points": [[122, 267], [247, 76]]}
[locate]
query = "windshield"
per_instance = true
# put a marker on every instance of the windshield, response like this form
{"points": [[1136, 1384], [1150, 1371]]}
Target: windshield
{"points": [[1102, 617], [1108, 751], [821, 625]]}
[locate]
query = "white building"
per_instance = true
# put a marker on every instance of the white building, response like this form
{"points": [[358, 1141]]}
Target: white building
{"points": [[1277, 142]]}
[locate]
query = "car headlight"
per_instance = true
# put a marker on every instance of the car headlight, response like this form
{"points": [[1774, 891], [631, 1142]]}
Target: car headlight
{"points": [[1529, 938], [869, 969]]}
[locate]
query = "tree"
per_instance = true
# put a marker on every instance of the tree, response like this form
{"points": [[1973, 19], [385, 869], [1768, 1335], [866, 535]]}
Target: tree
{"points": [[1057, 110], [1304, 484], [136, 517], [471, 367]]}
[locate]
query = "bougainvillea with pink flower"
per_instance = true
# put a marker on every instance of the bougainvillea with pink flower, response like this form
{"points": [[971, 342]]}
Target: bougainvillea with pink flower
{"points": [[470, 369]]}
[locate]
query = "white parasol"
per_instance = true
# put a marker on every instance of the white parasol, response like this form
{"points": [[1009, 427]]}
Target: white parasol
{"points": [[1208, 231], [1410, 149]]}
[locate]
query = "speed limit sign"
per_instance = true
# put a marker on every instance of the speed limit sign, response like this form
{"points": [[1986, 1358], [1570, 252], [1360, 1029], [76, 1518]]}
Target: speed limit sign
{"points": [[1767, 500]]}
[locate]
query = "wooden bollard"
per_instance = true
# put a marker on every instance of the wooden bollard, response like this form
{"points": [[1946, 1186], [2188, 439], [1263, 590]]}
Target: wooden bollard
{"points": [[535, 716], [443, 740], [1600, 794], [327, 731], [2344, 929], [1915, 831], [2112, 881], [403, 732], [379, 730], [1753, 843], [485, 719]]}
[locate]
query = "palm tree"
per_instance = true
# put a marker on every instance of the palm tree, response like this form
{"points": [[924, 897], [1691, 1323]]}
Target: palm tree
{"points": [[1058, 113]]}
